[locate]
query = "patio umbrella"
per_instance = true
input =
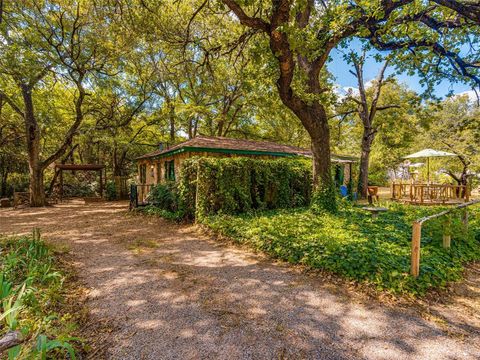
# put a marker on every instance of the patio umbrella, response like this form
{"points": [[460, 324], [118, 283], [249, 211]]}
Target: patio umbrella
{"points": [[428, 153]]}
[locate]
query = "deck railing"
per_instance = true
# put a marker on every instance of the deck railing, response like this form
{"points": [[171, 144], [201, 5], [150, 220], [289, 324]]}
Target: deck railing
{"points": [[447, 236], [430, 193]]}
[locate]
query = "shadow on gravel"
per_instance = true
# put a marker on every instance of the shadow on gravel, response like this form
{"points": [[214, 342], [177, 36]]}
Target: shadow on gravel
{"points": [[174, 294]]}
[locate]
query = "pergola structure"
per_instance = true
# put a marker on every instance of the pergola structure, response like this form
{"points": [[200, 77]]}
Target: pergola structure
{"points": [[82, 167]]}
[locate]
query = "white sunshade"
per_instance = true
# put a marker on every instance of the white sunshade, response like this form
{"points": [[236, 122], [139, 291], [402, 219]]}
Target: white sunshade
{"points": [[416, 165], [426, 153]]}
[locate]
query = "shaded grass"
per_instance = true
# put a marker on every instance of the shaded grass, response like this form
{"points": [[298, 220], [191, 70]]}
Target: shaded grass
{"points": [[352, 244]]}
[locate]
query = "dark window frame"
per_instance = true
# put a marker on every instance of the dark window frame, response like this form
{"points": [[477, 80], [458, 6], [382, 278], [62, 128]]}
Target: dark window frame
{"points": [[170, 170], [143, 173]]}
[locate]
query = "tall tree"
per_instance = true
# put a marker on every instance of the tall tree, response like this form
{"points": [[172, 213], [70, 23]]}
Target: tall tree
{"points": [[366, 109], [303, 33], [48, 41]]}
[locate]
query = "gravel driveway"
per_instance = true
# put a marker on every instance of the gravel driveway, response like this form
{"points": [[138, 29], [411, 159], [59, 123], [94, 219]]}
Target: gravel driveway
{"points": [[172, 293]]}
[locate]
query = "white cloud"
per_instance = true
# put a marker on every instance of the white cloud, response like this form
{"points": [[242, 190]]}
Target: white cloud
{"points": [[343, 91], [351, 90], [470, 93], [369, 83]]}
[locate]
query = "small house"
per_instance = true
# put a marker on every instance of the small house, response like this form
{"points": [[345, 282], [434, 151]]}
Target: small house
{"points": [[164, 164]]}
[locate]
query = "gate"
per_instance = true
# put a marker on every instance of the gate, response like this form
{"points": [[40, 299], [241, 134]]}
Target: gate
{"points": [[139, 195]]}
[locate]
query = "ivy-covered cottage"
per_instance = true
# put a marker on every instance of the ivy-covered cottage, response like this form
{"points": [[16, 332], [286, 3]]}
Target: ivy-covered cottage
{"points": [[164, 164]]}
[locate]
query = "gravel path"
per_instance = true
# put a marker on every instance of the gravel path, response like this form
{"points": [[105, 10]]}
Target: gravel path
{"points": [[174, 294]]}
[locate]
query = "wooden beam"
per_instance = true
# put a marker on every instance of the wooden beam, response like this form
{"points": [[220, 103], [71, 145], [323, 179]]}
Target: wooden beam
{"points": [[101, 182]]}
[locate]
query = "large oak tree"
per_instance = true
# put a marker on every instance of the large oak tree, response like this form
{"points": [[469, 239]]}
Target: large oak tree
{"points": [[427, 36]]}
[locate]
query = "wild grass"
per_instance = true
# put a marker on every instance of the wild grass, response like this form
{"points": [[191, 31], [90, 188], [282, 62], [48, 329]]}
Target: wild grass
{"points": [[32, 288]]}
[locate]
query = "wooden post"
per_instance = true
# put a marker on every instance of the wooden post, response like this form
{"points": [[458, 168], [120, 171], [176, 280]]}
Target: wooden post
{"points": [[416, 237], [447, 233], [196, 190], [61, 185], [101, 182]]}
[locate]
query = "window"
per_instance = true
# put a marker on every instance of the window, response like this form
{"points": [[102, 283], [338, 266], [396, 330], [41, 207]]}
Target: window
{"points": [[143, 173], [170, 170]]}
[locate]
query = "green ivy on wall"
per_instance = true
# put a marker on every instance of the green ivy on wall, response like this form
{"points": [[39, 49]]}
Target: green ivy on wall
{"points": [[237, 185]]}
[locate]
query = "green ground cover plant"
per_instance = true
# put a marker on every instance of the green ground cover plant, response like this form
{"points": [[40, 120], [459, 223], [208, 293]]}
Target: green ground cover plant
{"points": [[32, 295], [357, 247]]}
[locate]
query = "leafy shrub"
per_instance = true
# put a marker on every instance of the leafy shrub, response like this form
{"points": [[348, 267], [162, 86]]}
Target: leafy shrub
{"points": [[16, 182], [177, 215], [164, 196], [354, 245], [79, 189], [237, 185], [377, 175], [111, 191], [165, 202]]}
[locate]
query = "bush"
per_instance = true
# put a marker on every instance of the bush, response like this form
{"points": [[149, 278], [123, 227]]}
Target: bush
{"points": [[164, 196], [236, 185], [16, 182]]}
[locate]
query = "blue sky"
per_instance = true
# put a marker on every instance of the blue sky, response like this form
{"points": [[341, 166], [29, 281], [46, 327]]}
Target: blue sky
{"points": [[340, 69]]}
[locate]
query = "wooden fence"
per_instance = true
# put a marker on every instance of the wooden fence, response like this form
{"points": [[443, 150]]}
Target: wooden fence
{"points": [[417, 233], [430, 193]]}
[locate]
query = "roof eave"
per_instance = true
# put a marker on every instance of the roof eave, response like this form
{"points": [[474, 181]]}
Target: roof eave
{"points": [[218, 150]]}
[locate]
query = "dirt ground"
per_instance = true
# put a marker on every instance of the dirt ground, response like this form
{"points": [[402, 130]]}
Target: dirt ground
{"points": [[165, 291]]}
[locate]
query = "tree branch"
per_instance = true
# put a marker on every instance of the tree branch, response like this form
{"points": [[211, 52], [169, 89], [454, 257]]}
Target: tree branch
{"points": [[246, 20], [12, 104], [468, 10]]}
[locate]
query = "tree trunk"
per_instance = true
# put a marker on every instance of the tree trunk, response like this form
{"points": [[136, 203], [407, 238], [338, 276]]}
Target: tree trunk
{"points": [[32, 131], [172, 123], [190, 129], [172, 130], [314, 118], [220, 128], [362, 188], [37, 189], [320, 135]]}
